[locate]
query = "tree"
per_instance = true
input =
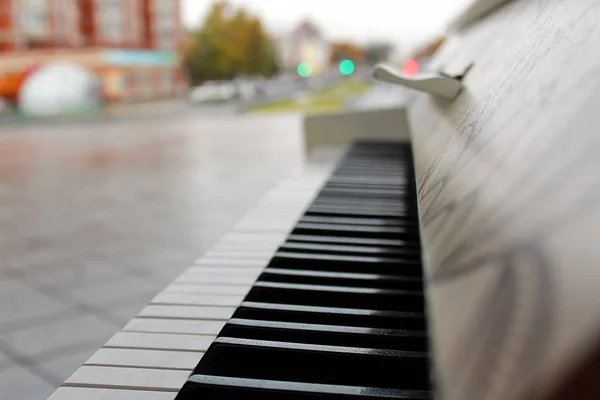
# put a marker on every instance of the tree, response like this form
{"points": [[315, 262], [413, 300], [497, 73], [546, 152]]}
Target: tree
{"points": [[230, 42], [341, 51]]}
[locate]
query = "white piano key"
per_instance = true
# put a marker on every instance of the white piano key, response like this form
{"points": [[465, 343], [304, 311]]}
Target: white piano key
{"points": [[128, 378], [222, 261], [272, 214], [160, 359], [243, 254], [254, 238], [224, 271], [152, 325], [77, 393], [264, 225], [297, 204], [220, 271], [251, 247], [188, 288], [292, 190], [293, 195], [251, 251], [188, 312], [160, 341], [197, 300], [206, 279]]}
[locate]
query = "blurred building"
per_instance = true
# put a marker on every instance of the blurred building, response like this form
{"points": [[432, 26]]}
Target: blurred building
{"points": [[305, 44], [133, 44]]}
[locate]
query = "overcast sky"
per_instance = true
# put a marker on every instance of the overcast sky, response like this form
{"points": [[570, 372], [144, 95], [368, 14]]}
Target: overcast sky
{"points": [[398, 21]]}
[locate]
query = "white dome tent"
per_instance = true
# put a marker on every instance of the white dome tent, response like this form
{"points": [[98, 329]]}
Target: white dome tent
{"points": [[60, 88]]}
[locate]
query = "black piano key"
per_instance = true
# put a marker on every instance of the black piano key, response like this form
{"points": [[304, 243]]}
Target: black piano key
{"points": [[330, 315], [354, 241], [333, 335], [377, 232], [336, 296], [326, 219], [352, 264], [355, 211], [221, 387], [350, 249], [377, 281], [303, 362], [370, 259]]}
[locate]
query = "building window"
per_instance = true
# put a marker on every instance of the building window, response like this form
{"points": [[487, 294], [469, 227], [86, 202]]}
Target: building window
{"points": [[134, 21], [111, 20], [33, 16], [65, 21], [165, 38], [165, 17]]}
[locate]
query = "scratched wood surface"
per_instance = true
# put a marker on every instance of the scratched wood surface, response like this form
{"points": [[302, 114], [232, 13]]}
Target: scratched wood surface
{"points": [[509, 196]]}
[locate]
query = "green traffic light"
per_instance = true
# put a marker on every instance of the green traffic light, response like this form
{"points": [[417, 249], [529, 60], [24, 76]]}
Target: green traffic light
{"points": [[346, 67], [305, 69]]}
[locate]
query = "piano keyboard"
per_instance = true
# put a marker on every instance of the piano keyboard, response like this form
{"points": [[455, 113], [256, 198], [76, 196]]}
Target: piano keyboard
{"points": [[338, 312]]}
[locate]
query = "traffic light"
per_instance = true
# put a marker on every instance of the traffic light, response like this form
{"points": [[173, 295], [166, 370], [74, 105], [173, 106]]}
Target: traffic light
{"points": [[347, 67], [410, 67], [305, 69]]}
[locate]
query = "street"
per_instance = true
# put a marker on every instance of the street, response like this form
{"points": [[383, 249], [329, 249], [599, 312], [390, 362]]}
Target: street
{"points": [[98, 215]]}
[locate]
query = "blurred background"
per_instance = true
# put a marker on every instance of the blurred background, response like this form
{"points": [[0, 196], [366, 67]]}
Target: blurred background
{"points": [[134, 133], [131, 51]]}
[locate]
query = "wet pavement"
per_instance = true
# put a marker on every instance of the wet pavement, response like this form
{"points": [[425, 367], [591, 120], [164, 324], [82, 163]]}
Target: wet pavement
{"points": [[97, 216]]}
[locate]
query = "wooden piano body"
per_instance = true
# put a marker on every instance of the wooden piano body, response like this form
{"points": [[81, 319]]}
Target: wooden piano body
{"points": [[508, 189]]}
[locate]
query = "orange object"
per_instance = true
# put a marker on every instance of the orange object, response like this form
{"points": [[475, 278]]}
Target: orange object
{"points": [[11, 83]]}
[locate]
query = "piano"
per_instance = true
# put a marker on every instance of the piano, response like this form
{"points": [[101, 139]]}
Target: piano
{"points": [[460, 264]]}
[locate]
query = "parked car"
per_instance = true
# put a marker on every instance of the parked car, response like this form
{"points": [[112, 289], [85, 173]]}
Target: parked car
{"points": [[213, 91]]}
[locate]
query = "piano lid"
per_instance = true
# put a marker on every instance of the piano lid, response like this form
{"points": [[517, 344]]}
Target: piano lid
{"points": [[508, 177]]}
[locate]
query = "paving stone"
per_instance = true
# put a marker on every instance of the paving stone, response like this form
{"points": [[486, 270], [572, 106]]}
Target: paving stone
{"points": [[18, 383], [105, 215], [20, 302], [82, 328], [78, 275], [124, 313], [124, 287], [5, 362], [63, 364]]}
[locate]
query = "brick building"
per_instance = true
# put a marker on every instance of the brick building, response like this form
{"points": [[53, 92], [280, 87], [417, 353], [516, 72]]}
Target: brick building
{"points": [[133, 44]]}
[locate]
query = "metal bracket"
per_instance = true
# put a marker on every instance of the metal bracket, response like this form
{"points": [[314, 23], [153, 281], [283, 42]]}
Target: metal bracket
{"points": [[438, 84]]}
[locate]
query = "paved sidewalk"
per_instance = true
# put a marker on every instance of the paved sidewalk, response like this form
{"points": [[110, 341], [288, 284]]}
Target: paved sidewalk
{"points": [[380, 95], [96, 219]]}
